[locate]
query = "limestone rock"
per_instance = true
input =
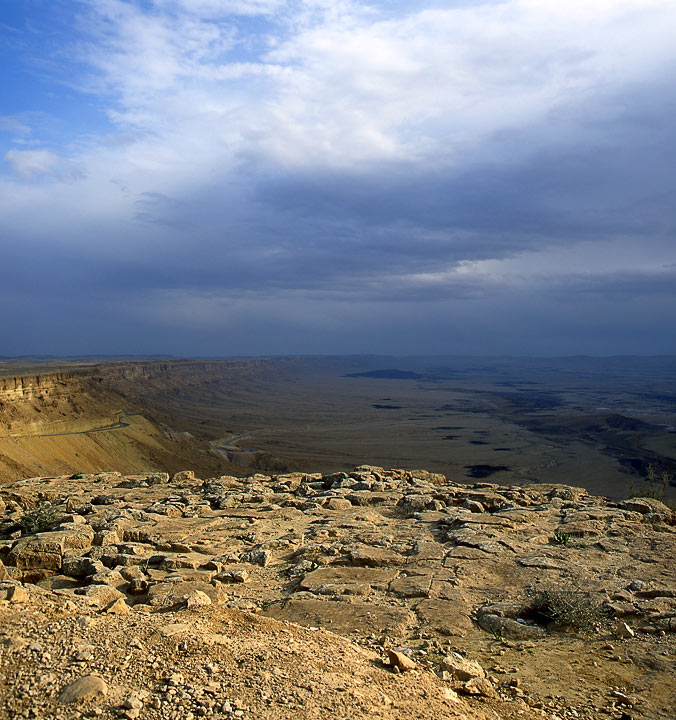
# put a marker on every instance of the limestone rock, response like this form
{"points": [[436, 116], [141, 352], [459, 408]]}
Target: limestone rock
{"points": [[478, 686], [84, 689], [194, 599], [81, 566], [18, 594], [338, 504], [42, 551], [509, 628], [461, 668], [13, 592], [165, 509], [257, 557], [99, 595], [118, 607], [169, 594], [648, 506], [398, 660]]}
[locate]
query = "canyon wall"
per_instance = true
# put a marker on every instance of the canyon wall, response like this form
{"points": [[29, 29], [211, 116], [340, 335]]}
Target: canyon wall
{"points": [[29, 387]]}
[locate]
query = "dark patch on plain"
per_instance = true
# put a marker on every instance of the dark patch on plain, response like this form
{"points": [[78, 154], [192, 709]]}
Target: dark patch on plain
{"points": [[389, 374], [622, 422], [484, 471], [378, 406], [515, 383], [478, 442]]}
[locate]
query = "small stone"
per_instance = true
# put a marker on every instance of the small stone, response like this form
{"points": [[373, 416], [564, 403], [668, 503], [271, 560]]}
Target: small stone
{"points": [[258, 557], [17, 594], [473, 506], [622, 698], [119, 607], [635, 585], [400, 661], [137, 586], [624, 631], [132, 702], [83, 689], [338, 504]]}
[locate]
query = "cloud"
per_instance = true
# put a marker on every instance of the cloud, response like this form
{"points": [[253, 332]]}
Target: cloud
{"points": [[465, 157], [30, 165], [9, 123]]}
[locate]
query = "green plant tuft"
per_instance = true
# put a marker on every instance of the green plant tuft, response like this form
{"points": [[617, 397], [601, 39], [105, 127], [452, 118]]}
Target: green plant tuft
{"points": [[560, 538]]}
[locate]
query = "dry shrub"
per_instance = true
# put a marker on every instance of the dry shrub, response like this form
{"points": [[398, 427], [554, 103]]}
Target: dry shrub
{"points": [[571, 609]]}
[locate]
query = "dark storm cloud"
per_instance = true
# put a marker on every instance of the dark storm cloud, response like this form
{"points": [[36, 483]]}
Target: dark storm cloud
{"points": [[592, 179]]}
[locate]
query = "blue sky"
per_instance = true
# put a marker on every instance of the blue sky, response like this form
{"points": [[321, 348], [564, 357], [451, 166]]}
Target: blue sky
{"points": [[263, 177]]}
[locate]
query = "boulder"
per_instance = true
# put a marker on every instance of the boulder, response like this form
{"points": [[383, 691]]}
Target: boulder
{"points": [[84, 689], [38, 551], [461, 668], [507, 628]]}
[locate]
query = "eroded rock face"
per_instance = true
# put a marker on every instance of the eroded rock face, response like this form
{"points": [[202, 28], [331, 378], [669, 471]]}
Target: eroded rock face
{"points": [[403, 562]]}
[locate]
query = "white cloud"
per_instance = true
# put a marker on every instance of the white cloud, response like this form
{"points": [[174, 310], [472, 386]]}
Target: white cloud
{"points": [[221, 8], [333, 84], [32, 164], [10, 123]]}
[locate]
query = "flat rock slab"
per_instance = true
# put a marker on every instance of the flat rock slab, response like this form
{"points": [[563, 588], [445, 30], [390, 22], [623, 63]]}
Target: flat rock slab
{"points": [[365, 556], [584, 528], [426, 550], [348, 580], [342, 617], [445, 588], [462, 552], [413, 585], [446, 617], [541, 562], [173, 629]]}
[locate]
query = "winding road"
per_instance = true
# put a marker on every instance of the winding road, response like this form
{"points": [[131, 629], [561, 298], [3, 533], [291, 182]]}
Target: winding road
{"points": [[120, 424], [229, 446]]}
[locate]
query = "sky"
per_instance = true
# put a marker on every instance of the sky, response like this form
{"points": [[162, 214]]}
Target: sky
{"points": [[259, 177]]}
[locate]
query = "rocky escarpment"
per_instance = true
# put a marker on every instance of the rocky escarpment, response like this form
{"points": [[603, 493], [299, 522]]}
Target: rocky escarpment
{"points": [[379, 593], [49, 384], [91, 418], [30, 387]]}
